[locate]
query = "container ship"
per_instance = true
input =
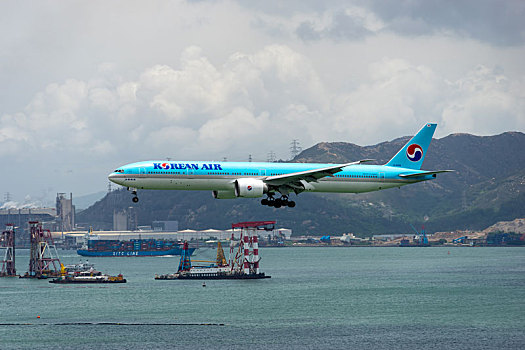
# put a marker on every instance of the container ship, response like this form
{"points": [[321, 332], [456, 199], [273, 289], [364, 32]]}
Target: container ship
{"points": [[134, 247]]}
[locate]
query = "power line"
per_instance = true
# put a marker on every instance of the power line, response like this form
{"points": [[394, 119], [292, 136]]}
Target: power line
{"points": [[295, 149], [271, 157]]}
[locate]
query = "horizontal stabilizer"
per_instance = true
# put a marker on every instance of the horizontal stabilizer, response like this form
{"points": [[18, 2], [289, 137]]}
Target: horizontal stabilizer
{"points": [[424, 173]]}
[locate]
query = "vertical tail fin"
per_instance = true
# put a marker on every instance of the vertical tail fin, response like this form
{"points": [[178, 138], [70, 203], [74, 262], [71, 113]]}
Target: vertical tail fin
{"points": [[411, 156]]}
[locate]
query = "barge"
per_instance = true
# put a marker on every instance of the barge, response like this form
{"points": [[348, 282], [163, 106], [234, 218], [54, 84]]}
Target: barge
{"points": [[243, 262], [210, 273]]}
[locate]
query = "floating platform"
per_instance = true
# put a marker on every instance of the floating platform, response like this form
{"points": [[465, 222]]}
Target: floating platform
{"points": [[211, 276], [243, 264]]}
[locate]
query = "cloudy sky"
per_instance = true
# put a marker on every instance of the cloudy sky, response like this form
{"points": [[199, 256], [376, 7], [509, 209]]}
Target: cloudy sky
{"points": [[87, 86]]}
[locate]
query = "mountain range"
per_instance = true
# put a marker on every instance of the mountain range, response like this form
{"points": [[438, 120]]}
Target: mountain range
{"points": [[487, 186]]}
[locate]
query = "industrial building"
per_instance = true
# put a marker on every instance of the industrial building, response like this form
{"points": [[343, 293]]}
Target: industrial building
{"points": [[77, 238], [65, 219], [58, 219]]}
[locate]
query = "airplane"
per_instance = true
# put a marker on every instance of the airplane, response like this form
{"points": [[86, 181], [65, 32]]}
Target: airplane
{"points": [[228, 180]]}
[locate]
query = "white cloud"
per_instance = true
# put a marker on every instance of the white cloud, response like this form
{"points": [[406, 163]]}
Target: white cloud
{"points": [[492, 21], [235, 129], [398, 95], [260, 100], [485, 101], [106, 84]]}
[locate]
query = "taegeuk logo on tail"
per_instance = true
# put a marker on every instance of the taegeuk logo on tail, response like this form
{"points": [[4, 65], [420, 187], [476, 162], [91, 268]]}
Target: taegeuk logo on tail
{"points": [[414, 152]]}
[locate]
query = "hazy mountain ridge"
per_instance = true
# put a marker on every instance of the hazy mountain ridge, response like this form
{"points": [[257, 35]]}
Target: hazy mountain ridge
{"points": [[488, 185], [488, 178]]}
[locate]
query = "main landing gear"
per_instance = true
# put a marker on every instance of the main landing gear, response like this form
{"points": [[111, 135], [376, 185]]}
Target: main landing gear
{"points": [[277, 203]]}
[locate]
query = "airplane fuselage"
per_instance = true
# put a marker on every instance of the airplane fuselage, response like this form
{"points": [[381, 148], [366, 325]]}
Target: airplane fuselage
{"points": [[229, 180], [221, 176]]}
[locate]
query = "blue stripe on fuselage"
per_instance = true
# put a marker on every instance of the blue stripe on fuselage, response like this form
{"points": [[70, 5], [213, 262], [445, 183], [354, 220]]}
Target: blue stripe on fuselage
{"points": [[261, 169]]}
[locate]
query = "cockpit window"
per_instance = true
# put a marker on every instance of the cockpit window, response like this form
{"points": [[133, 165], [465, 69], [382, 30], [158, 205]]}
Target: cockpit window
{"points": [[119, 171]]}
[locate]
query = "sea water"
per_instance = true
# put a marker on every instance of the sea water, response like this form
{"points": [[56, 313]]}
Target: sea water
{"points": [[317, 298]]}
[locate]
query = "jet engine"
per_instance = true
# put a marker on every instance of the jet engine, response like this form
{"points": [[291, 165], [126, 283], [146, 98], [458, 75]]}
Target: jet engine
{"points": [[224, 194], [250, 188]]}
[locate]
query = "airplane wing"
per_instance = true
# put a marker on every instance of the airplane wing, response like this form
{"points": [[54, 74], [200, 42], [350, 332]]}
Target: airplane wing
{"points": [[424, 173], [313, 175]]}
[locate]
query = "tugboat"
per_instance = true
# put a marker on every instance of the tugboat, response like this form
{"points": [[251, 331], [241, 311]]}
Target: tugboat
{"points": [[87, 276]]}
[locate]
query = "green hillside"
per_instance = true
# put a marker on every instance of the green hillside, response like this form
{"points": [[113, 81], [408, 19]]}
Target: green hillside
{"points": [[488, 186]]}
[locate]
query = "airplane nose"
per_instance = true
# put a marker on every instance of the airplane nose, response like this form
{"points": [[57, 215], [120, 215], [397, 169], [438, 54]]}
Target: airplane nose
{"points": [[112, 177]]}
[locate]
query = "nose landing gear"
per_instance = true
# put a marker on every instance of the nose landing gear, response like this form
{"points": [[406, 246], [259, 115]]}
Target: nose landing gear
{"points": [[135, 198]]}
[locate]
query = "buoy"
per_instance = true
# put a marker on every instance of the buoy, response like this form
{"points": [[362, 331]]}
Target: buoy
{"points": [[38, 317], [204, 284]]}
